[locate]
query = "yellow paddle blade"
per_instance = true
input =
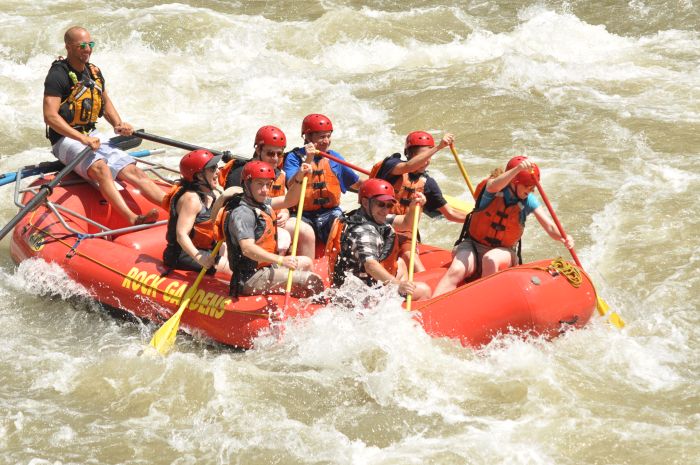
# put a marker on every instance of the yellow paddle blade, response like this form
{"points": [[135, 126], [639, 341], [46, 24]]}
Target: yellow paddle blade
{"points": [[164, 339], [613, 318], [602, 307], [464, 205]]}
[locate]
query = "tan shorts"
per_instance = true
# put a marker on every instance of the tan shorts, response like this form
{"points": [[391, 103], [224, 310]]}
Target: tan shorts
{"points": [[273, 280], [481, 249]]}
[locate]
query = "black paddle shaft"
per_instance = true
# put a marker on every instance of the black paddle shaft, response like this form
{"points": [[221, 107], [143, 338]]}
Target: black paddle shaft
{"points": [[44, 192], [226, 155]]}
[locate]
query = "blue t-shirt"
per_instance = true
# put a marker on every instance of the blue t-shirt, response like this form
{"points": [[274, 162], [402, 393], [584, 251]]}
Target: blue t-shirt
{"points": [[530, 203], [431, 190], [294, 159]]}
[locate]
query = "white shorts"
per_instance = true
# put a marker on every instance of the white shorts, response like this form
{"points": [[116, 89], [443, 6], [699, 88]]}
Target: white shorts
{"points": [[66, 149]]}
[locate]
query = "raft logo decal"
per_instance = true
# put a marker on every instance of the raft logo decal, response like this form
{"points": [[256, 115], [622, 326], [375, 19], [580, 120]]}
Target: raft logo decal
{"points": [[36, 241], [206, 303]]}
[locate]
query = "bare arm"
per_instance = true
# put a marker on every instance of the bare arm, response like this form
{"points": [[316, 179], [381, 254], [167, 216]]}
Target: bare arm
{"points": [[51, 105], [551, 229], [187, 208], [453, 214], [500, 182], [223, 198], [416, 162], [112, 116]]}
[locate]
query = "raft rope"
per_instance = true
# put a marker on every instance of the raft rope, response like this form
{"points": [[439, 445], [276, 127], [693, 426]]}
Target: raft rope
{"points": [[74, 252], [564, 268]]}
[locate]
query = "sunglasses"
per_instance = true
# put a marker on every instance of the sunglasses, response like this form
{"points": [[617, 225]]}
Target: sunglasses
{"points": [[272, 153], [84, 45], [382, 204]]}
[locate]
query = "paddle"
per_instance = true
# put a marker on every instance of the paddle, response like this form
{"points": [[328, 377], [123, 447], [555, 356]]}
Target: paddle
{"points": [[185, 146], [295, 240], [602, 306], [46, 189], [164, 338], [412, 259], [462, 169]]}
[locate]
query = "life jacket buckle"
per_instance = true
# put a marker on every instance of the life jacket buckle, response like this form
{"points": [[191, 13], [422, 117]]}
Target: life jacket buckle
{"points": [[321, 201], [319, 185]]}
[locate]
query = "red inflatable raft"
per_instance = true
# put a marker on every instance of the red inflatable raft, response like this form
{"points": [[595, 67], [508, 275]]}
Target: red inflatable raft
{"points": [[121, 266]]}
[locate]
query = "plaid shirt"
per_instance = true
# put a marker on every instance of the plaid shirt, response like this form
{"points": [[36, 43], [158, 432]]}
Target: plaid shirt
{"points": [[365, 241]]}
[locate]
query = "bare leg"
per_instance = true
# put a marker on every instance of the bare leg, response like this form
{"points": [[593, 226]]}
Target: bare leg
{"points": [[100, 173], [463, 265], [307, 238], [417, 263], [494, 261], [137, 178], [422, 291]]}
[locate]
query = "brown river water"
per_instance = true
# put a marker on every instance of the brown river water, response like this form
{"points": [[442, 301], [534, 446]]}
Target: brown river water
{"points": [[603, 95]]}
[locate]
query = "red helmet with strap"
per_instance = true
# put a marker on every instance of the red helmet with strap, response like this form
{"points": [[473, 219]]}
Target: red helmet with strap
{"points": [[419, 139], [270, 135], [378, 189], [257, 169], [315, 123], [526, 178], [197, 161]]}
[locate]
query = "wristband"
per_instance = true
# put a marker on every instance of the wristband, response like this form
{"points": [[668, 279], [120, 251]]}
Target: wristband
{"points": [[280, 260]]}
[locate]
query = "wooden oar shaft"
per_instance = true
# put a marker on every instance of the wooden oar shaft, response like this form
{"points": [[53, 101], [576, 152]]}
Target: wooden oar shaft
{"points": [[343, 162], [295, 239], [462, 169], [556, 221], [412, 258]]}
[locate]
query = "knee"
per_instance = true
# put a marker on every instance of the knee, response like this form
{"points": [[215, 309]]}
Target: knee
{"points": [[99, 171]]}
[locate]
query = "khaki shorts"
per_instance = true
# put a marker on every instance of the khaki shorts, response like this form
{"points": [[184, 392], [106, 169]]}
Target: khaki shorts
{"points": [[273, 280], [481, 249]]}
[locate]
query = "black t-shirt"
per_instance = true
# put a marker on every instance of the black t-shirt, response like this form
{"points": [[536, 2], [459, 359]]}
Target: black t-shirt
{"points": [[433, 194], [59, 84]]}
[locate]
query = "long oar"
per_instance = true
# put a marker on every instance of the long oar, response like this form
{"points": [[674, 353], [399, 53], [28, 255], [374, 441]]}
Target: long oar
{"points": [[412, 258], [462, 169], [602, 306], [44, 192], [185, 146], [164, 338], [295, 240]]}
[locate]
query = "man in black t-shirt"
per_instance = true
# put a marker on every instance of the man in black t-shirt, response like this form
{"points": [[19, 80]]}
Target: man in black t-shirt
{"points": [[74, 98], [409, 175]]}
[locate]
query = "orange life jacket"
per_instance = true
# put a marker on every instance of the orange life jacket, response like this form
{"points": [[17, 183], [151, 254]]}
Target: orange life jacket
{"points": [[497, 224], [241, 266], [202, 233], [404, 187], [323, 188], [278, 189], [337, 250]]}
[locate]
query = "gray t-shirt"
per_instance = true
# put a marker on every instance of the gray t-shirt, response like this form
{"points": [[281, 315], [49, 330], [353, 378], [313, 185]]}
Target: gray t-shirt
{"points": [[243, 222]]}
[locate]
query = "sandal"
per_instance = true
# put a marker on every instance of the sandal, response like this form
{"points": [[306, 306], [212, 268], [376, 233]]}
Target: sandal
{"points": [[148, 218]]}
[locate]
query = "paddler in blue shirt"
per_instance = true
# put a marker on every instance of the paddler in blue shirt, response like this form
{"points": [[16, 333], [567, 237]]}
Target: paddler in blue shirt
{"points": [[493, 229], [328, 178]]}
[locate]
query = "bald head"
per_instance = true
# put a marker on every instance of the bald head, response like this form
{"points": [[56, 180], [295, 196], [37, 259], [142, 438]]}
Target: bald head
{"points": [[74, 34]]}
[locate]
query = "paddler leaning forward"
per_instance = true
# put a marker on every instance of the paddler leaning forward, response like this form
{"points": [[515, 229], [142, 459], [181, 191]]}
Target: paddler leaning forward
{"points": [[364, 242], [248, 223]]}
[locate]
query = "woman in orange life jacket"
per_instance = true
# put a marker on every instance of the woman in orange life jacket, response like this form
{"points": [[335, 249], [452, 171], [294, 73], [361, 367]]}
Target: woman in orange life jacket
{"points": [[190, 233], [250, 232], [494, 228], [328, 178], [269, 146], [408, 176], [364, 242]]}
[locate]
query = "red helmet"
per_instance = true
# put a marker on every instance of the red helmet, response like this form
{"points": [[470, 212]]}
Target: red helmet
{"points": [[270, 135], [315, 123], [196, 161], [526, 178], [419, 139], [375, 188], [257, 169]]}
